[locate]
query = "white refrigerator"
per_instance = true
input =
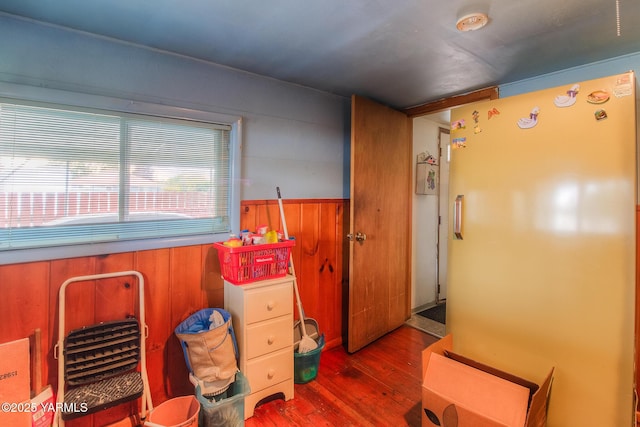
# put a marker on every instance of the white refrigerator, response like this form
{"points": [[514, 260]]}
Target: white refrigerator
{"points": [[541, 269]]}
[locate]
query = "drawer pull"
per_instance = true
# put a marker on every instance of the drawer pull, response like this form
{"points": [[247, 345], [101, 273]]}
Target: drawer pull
{"points": [[271, 373], [270, 305], [271, 340]]}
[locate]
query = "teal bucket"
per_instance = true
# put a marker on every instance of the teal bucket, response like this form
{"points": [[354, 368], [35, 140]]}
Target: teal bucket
{"points": [[305, 365]]}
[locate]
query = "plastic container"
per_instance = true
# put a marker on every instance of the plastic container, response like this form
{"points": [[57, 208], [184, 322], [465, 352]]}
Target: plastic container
{"points": [[306, 365], [226, 409], [246, 264], [177, 412]]}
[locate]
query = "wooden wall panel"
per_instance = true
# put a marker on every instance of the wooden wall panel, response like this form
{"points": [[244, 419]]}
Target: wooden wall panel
{"points": [[330, 271], [248, 217], [23, 311], [115, 298], [178, 282], [83, 302], [292, 214], [187, 297], [156, 266], [212, 282], [308, 268], [318, 256]]}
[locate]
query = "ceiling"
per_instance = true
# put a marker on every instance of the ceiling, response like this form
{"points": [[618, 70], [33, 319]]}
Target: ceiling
{"points": [[399, 52]]}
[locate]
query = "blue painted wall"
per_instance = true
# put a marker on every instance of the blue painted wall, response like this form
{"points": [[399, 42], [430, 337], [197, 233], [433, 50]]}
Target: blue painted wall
{"points": [[595, 70], [293, 137]]}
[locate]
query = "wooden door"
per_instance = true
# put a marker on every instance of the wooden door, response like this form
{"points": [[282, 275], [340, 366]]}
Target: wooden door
{"points": [[380, 222]]}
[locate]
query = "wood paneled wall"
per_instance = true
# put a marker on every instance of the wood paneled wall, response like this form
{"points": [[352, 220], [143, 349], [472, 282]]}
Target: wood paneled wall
{"points": [[178, 282], [320, 256]]}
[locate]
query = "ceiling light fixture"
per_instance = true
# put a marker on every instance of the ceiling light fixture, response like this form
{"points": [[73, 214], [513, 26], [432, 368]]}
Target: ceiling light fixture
{"points": [[472, 21]]}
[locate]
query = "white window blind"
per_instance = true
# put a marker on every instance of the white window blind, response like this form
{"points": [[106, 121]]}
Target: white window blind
{"points": [[84, 176]]}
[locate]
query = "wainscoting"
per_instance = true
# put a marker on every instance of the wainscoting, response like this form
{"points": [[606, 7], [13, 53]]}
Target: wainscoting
{"points": [[178, 282]]}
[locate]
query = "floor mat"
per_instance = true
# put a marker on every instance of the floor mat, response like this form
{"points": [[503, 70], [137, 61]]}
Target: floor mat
{"points": [[429, 326], [437, 313]]}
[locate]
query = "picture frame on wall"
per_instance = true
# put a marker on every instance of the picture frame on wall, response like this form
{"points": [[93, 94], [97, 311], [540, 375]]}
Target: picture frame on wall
{"points": [[427, 178]]}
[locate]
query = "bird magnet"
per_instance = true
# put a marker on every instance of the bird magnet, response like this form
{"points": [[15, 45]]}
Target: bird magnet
{"points": [[569, 99], [531, 121]]}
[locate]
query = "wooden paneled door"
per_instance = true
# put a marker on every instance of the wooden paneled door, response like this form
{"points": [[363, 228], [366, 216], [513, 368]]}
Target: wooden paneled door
{"points": [[380, 222]]}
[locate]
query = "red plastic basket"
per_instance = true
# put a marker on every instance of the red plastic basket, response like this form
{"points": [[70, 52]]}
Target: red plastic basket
{"points": [[246, 264]]}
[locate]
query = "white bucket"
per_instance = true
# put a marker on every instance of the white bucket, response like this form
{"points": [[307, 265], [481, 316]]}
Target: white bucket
{"points": [[177, 412]]}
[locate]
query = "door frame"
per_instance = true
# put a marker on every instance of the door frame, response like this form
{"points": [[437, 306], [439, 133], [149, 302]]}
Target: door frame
{"points": [[442, 236]]}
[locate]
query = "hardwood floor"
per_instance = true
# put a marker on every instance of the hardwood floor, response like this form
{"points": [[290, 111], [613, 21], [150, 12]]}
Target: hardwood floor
{"points": [[379, 385]]}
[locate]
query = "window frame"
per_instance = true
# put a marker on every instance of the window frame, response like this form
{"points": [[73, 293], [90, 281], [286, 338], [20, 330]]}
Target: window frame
{"points": [[22, 93]]}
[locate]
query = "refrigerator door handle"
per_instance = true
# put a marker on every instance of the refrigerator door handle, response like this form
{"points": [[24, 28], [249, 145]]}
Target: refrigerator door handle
{"points": [[457, 217]]}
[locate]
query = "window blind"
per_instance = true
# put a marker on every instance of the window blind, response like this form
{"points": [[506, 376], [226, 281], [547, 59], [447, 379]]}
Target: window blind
{"points": [[70, 176]]}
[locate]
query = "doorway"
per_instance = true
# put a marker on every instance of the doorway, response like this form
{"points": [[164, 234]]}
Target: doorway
{"points": [[424, 289], [430, 222]]}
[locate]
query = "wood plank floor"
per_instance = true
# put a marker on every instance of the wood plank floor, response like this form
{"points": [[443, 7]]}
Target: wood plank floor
{"points": [[378, 385]]}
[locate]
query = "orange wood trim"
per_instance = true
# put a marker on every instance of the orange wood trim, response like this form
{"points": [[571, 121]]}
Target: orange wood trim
{"points": [[637, 314], [454, 101]]}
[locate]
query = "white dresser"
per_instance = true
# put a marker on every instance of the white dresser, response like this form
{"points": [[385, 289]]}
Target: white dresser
{"points": [[262, 316]]}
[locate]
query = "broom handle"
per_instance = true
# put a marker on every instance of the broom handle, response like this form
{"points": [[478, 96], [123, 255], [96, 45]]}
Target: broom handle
{"points": [[293, 271]]}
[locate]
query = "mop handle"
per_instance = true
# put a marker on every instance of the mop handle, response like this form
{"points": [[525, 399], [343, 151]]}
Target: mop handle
{"points": [[293, 271]]}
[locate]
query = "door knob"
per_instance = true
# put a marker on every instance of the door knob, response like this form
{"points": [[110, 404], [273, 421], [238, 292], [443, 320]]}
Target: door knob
{"points": [[360, 237]]}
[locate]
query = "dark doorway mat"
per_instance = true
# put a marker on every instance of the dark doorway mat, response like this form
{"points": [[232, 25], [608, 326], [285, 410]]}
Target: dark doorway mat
{"points": [[437, 313]]}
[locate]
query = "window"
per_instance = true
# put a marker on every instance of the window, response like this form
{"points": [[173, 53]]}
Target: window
{"points": [[72, 176]]}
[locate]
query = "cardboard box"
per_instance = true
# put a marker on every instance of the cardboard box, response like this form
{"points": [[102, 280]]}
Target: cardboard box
{"points": [[18, 415], [15, 384], [460, 392]]}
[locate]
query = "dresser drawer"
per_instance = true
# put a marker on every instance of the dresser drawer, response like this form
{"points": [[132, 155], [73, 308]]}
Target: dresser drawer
{"points": [[268, 302], [268, 336], [269, 370]]}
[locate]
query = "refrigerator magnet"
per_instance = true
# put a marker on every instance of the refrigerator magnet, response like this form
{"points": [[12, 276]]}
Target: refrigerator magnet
{"points": [[457, 125], [600, 115], [531, 121], [569, 99], [623, 86], [598, 97], [459, 143]]}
